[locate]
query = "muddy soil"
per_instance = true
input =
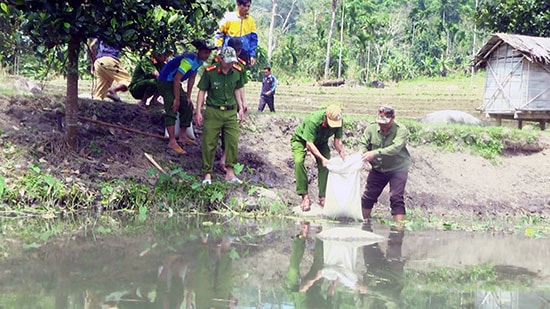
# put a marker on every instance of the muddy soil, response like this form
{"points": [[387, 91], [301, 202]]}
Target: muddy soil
{"points": [[440, 183]]}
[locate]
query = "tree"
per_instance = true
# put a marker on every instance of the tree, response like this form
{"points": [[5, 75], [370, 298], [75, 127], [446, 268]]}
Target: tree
{"points": [[279, 24], [527, 17], [334, 7], [139, 24]]}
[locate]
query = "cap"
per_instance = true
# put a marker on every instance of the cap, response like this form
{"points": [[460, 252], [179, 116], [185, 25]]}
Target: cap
{"points": [[228, 54], [334, 116], [202, 44], [385, 114]]}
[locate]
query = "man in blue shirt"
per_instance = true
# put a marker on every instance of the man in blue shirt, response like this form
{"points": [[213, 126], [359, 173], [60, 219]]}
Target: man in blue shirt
{"points": [[177, 70], [269, 84]]}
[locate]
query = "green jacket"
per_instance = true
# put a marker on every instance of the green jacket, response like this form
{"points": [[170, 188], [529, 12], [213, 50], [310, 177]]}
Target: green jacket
{"points": [[144, 70], [219, 86], [315, 129], [391, 149]]}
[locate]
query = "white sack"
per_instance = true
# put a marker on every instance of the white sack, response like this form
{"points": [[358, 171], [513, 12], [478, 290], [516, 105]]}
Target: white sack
{"points": [[188, 131], [176, 128], [343, 195], [350, 236], [339, 263]]}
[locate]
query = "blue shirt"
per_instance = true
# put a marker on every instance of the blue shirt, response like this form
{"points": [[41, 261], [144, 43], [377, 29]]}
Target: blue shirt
{"points": [[105, 50], [269, 83], [187, 64]]}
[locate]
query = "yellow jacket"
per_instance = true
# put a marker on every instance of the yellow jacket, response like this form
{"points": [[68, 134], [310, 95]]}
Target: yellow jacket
{"points": [[232, 25]]}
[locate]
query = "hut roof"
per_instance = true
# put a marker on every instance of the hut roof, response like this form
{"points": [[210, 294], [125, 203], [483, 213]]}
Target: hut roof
{"points": [[535, 49]]}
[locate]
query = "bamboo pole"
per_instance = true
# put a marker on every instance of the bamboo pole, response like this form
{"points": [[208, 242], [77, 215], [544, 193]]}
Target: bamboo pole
{"points": [[107, 124]]}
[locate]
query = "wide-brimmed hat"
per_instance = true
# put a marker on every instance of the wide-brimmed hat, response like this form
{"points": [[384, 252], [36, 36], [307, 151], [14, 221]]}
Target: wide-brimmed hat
{"points": [[334, 116], [385, 114]]}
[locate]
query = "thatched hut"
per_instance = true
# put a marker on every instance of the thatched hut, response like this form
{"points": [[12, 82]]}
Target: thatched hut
{"points": [[517, 83]]}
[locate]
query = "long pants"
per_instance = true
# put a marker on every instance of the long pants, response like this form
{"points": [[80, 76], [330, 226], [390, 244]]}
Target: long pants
{"points": [[214, 121], [143, 89], [108, 70], [300, 173], [376, 181], [313, 297], [269, 100], [166, 89]]}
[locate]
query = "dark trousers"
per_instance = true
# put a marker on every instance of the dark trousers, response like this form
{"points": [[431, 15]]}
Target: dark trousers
{"points": [[376, 181], [269, 100]]}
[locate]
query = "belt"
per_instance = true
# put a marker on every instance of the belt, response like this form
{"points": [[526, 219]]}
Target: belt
{"points": [[223, 107]]}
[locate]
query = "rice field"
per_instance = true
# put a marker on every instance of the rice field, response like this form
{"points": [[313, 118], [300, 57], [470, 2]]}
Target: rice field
{"points": [[411, 99]]}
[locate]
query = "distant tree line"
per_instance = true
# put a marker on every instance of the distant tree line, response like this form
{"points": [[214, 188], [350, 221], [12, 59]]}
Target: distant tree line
{"points": [[387, 39]]}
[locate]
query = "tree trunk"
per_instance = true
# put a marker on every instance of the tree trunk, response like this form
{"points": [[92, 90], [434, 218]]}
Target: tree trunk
{"points": [[71, 101], [271, 26], [329, 39], [341, 41]]}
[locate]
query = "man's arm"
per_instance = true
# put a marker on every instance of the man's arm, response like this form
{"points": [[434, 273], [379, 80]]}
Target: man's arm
{"points": [[315, 151], [200, 101], [239, 97], [339, 146]]}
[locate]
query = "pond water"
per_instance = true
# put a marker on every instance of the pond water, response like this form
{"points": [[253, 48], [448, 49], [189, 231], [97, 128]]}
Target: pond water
{"points": [[243, 263]]}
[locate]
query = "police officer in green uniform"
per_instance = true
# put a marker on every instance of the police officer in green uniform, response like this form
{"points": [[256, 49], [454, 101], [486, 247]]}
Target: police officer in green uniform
{"points": [[237, 45], [144, 78], [224, 108], [312, 135]]}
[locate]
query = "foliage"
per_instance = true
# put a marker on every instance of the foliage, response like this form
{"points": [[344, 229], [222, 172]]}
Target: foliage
{"points": [[489, 142], [139, 25], [527, 17], [391, 40], [468, 279]]}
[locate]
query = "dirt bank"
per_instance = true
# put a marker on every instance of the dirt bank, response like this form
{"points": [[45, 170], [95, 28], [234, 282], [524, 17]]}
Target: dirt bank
{"points": [[441, 183]]}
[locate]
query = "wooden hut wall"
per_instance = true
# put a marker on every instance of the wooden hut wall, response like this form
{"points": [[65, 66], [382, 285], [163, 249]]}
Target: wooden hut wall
{"points": [[538, 96], [505, 86]]}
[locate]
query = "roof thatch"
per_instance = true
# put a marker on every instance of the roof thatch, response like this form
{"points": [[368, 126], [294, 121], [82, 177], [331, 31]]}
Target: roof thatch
{"points": [[535, 49]]}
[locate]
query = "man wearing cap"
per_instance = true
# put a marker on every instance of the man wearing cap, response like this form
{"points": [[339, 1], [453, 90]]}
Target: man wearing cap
{"points": [[237, 45], [144, 78], [312, 135], [224, 108], [386, 144], [177, 70]]}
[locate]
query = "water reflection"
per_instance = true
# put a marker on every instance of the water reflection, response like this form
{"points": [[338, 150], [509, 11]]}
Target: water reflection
{"points": [[384, 273], [249, 264], [200, 276]]}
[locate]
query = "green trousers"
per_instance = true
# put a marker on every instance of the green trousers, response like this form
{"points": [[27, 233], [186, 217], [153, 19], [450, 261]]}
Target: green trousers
{"points": [[300, 173], [216, 120], [143, 89], [313, 297], [166, 89]]}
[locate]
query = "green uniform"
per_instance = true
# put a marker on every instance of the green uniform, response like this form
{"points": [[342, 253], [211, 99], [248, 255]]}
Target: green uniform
{"points": [[242, 64], [313, 297], [220, 114], [144, 83], [390, 165], [313, 129], [391, 151], [212, 279]]}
